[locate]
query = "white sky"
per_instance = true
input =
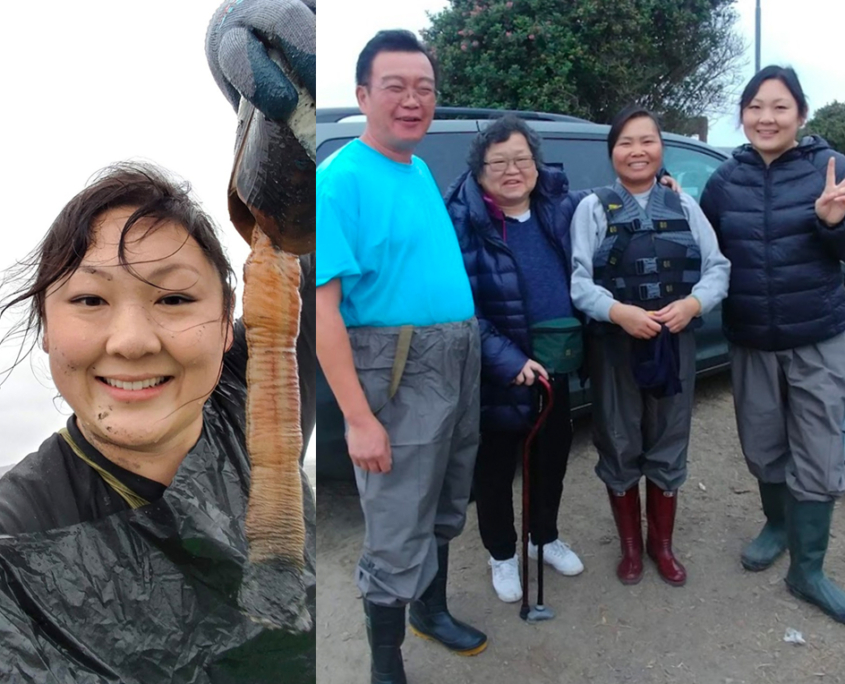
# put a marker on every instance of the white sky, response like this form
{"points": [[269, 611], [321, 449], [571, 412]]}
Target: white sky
{"points": [[805, 35], [87, 84]]}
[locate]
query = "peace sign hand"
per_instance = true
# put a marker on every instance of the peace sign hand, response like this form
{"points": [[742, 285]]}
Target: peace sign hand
{"points": [[830, 206]]}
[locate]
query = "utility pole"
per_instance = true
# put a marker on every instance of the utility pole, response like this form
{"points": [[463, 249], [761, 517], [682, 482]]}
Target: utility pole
{"points": [[757, 40]]}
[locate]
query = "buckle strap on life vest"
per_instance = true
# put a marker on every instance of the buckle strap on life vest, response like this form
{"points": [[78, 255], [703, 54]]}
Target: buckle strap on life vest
{"points": [[623, 232], [613, 205], [647, 292], [655, 265]]}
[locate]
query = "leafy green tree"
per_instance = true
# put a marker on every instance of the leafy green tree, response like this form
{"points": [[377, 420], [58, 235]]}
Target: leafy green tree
{"points": [[680, 58], [829, 123]]}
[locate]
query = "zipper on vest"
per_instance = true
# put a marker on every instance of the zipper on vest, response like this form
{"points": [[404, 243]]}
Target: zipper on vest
{"points": [[501, 244], [767, 214]]}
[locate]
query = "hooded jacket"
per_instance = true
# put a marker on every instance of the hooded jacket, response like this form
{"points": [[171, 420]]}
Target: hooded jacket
{"points": [[786, 286], [500, 303]]}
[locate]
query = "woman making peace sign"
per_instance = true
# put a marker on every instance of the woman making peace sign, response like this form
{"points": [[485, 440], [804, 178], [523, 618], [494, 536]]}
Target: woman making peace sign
{"points": [[779, 214]]}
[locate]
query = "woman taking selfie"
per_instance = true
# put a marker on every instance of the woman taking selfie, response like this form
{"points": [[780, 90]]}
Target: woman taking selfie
{"points": [[134, 512], [778, 207], [646, 265]]}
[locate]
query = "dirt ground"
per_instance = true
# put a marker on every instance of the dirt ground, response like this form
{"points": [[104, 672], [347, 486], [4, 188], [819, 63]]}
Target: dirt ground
{"points": [[726, 626]]}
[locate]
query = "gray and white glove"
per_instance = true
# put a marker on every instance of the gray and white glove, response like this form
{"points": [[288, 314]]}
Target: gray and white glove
{"points": [[237, 42]]}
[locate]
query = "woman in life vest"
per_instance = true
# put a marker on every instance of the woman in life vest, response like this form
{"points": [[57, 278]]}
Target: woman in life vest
{"points": [[778, 209], [512, 215], [646, 266]]}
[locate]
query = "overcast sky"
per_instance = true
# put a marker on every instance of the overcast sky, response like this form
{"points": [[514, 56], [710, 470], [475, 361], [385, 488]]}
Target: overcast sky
{"points": [[87, 84], [806, 35]]}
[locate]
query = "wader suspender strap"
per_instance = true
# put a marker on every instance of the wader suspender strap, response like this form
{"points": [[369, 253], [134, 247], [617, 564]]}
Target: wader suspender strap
{"points": [[403, 348], [125, 493]]}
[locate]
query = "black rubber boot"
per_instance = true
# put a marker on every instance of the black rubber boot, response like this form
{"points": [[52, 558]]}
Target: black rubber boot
{"points": [[808, 532], [385, 632], [430, 619], [768, 546]]}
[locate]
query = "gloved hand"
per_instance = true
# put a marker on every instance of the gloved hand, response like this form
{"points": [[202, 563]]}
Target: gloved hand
{"points": [[237, 43]]}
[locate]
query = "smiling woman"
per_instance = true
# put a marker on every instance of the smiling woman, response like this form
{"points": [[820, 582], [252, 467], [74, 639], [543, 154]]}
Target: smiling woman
{"points": [[645, 267], [136, 353], [132, 300], [138, 505]]}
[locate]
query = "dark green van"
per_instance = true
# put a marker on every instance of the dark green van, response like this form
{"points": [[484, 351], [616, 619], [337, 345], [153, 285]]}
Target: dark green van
{"points": [[578, 146]]}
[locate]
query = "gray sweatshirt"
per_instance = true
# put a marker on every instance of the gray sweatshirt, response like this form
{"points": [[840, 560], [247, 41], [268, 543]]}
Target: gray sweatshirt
{"points": [[589, 226]]}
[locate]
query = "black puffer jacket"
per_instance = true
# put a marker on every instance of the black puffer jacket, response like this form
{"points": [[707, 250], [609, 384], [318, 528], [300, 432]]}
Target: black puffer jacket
{"points": [[786, 287]]}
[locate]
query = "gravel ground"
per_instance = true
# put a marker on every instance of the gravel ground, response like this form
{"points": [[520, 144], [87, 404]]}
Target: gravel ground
{"points": [[726, 626]]}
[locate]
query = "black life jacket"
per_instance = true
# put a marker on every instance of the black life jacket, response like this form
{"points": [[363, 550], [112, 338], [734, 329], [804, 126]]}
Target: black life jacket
{"points": [[649, 257]]}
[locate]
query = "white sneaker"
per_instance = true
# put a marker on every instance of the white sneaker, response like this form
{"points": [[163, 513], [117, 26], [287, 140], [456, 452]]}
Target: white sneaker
{"points": [[559, 556], [506, 579]]}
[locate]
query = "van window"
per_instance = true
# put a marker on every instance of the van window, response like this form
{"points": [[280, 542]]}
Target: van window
{"points": [[584, 161], [445, 154], [690, 167]]}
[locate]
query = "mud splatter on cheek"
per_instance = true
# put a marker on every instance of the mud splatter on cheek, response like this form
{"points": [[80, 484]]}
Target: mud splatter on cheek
{"points": [[68, 368], [103, 415]]}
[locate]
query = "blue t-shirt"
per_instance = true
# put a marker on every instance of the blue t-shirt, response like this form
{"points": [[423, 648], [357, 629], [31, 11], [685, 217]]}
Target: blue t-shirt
{"points": [[542, 273], [383, 230]]}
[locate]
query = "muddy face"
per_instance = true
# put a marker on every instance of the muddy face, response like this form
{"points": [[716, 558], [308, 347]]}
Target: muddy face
{"points": [[136, 360]]}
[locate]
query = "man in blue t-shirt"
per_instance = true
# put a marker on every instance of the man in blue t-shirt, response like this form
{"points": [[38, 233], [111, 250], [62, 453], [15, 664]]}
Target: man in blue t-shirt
{"points": [[398, 343]]}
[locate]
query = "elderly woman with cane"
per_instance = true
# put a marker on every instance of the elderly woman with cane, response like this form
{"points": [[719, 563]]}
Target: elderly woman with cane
{"points": [[514, 235]]}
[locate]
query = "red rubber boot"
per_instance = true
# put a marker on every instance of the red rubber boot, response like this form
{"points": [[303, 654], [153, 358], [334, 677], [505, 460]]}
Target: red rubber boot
{"points": [[660, 511], [627, 514]]}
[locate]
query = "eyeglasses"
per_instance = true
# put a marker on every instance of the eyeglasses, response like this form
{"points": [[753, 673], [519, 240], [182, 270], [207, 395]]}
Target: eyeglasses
{"points": [[501, 165], [399, 93]]}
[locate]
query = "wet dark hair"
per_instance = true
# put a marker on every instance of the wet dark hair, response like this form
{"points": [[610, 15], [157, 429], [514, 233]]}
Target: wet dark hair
{"points": [[622, 118], [785, 75], [154, 194], [498, 132], [394, 40]]}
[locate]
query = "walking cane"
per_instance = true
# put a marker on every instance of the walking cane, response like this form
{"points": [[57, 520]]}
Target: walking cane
{"points": [[540, 611]]}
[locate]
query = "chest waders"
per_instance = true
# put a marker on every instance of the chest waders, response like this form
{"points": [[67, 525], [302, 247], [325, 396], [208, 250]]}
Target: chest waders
{"points": [[649, 259]]}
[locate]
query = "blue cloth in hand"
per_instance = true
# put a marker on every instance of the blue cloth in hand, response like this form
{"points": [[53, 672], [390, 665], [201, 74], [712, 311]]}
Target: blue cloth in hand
{"points": [[655, 364]]}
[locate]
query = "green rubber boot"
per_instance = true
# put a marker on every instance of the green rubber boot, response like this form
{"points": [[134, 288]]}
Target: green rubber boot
{"points": [[808, 531], [770, 544]]}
